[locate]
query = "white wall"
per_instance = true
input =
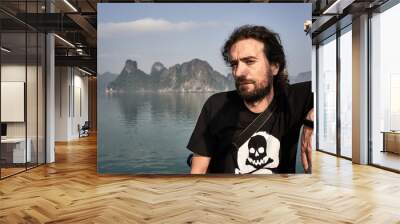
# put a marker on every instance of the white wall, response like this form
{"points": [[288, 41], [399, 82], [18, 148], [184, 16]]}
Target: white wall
{"points": [[70, 83], [10, 73], [12, 101], [13, 72], [62, 81]]}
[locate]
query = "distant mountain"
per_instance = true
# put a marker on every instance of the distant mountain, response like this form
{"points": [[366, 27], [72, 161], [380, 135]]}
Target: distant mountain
{"points": [[131, 77], [301, 77], [105, 79], [192, 76]]}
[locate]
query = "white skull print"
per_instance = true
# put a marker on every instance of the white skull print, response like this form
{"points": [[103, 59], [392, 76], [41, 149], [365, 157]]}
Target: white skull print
{"points": [[258, 154]]}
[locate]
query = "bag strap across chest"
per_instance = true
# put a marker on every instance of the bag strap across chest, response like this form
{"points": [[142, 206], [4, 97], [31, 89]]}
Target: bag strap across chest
{"points": [[255, 125]]}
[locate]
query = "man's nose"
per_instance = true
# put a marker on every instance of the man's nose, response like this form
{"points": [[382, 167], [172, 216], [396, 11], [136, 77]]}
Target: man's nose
{"points": [[241, 70]]}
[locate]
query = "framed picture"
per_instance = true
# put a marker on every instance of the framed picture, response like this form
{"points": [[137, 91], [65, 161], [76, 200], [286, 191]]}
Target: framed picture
{"points": [[159, 63]]}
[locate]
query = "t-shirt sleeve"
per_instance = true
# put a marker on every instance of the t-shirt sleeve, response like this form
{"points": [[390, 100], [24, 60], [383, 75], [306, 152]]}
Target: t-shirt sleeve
{"points": [[202, 141], [309, 99], [302, 101]]}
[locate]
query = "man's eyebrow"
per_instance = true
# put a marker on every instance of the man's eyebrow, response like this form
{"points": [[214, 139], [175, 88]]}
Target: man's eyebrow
{"points": [[248, 58], [243, 59]]}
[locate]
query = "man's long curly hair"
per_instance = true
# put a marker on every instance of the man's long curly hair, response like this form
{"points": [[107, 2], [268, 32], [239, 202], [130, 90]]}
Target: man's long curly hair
{"points": [[273, 50]]}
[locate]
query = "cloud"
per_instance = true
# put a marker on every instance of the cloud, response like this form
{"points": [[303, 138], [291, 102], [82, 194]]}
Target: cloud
{"points": [[151, 25]]}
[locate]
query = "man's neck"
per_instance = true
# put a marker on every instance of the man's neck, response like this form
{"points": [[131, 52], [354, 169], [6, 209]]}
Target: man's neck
{"points": [[261, 105]]}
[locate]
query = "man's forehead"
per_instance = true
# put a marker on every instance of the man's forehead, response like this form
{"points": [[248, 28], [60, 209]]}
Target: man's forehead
{"points": [[246, 48]]}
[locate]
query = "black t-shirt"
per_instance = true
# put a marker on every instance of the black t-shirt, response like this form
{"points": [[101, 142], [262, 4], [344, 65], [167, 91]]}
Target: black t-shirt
{"points": [[270, 150]]}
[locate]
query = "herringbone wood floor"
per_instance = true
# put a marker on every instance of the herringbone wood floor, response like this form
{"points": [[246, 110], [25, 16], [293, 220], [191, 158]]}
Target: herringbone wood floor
{"points": [[70, 191]]}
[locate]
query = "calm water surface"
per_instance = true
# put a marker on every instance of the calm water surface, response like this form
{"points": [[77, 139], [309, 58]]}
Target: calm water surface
{"points": [[146, 132]]}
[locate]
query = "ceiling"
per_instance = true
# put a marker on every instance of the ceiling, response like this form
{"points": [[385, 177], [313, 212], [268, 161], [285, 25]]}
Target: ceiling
{"points": [[76, 22]]}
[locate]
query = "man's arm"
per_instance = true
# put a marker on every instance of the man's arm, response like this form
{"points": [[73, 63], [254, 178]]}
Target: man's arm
{"points": [[306, 143], [199, 164]]}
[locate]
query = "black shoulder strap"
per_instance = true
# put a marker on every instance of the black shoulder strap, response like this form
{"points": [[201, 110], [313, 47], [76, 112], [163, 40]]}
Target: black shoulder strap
{"points": [[255, 125]]}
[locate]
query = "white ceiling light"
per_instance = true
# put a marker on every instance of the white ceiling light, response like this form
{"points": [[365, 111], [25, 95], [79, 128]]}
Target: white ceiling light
{"points": [[65, 41], [86, 72], [70, 5], [337, 7], [5, 49], [80, 51]]}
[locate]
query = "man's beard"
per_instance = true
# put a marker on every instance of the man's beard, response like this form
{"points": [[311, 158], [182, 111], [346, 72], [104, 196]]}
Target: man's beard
{"points": [[260, 91]]}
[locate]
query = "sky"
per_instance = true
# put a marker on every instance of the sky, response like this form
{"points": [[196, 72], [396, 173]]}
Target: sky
{"points": [[173, 33]]}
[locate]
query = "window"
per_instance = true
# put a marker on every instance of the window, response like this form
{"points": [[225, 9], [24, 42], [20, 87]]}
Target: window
{"points": [[346, 92], [327, 95], [22, 67], [385, 89]]}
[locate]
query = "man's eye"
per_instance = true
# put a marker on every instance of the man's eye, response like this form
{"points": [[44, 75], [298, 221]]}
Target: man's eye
{"points": [[250, 62]]}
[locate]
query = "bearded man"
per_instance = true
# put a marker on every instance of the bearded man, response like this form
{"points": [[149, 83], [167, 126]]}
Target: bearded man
{"points": [[258, 64]]}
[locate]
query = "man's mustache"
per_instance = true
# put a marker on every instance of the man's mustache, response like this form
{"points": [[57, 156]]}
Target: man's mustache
{"points": [[243, 81]]}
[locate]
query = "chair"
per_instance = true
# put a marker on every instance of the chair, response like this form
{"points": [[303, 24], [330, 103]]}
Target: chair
{"points": [[189, 160], [84, 130]]}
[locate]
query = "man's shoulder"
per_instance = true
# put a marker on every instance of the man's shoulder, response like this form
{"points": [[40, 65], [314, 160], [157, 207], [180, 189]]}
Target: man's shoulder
{"points": [[297, 91], [300, 87], [223, 97], [300, 100], [222, 100]]}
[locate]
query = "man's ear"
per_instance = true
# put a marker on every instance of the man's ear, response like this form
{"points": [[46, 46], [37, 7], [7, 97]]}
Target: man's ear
{"points": [[275, 68]]}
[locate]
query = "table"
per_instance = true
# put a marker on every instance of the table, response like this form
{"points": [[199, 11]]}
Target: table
{"points": [[391, 141], [18, 149]]}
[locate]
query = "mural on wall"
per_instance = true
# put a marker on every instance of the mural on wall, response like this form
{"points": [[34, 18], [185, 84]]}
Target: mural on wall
{"points": [[158, 64]]}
